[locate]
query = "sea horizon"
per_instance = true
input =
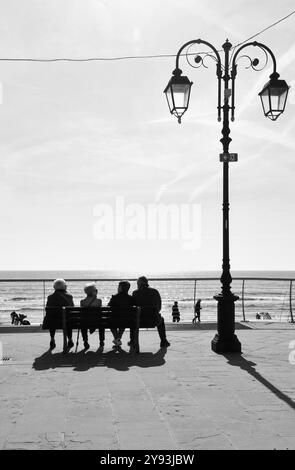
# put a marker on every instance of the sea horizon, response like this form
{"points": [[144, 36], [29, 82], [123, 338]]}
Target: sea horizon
{"points": [[118, 274]]}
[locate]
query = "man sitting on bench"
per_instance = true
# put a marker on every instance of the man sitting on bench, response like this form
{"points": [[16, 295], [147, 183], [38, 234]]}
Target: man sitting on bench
{"points": [[146, 296]]}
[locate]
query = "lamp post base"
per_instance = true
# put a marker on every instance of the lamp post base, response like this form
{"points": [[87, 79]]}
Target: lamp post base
{"points": [[225, 340], [222, 345]]}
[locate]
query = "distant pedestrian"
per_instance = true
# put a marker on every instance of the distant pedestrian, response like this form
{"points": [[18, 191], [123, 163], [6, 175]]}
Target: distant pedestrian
{"points": [[197, 312], [175, 312]]}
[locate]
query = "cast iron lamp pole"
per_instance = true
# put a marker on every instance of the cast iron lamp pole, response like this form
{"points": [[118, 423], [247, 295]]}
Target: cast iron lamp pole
{"points": [[273, 97]]}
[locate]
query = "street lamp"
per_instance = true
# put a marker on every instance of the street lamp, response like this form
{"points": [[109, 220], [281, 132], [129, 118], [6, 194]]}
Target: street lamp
{"points": [[273, 97]]}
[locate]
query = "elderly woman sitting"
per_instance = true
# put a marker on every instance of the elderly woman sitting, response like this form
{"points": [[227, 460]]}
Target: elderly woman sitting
{"points": [[60, 298], [91, 300]]}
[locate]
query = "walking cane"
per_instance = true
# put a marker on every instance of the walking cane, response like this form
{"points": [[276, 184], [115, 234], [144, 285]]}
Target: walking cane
{"points": [[77, 342]]}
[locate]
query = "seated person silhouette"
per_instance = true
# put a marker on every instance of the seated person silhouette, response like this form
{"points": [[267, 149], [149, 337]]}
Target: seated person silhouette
{"points": [[14, 318], [22, 319], [122, 300], [60, 298], [91, 300], [146, 296]]}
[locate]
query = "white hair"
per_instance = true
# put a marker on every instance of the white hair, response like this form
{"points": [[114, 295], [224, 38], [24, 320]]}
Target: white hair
{"points": [[59, 284], [89, 287]]}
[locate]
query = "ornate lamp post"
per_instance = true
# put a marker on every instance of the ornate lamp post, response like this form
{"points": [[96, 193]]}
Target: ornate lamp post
{"points": [[273, 98]]}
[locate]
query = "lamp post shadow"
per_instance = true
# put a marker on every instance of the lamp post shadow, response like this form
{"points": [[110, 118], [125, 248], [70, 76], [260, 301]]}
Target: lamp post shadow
{"points": [[249, 366]]}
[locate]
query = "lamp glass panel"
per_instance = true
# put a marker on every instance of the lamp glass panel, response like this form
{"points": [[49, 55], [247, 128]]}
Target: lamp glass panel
{"points": [[169, 98], [282, 100], [278, 98], [181, 95], [275, 100], [265, 101]]}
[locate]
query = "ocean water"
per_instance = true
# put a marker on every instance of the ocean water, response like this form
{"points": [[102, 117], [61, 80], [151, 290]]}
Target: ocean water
{"points": [[26, 291]]}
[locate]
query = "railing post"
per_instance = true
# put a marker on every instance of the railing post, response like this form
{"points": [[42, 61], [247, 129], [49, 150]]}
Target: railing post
{"points": [[195, 288], [243, 299], [290, 301], [43, 299]]}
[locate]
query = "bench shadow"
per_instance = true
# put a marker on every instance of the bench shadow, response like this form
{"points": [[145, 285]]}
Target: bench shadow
{"points": [[118, 359], [238, 360]]}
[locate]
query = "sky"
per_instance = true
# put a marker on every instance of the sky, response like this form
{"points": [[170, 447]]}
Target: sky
{"points": [[89, 149]]}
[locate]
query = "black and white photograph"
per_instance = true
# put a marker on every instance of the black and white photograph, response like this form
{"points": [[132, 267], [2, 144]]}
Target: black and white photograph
{"points": [[147, 256]]}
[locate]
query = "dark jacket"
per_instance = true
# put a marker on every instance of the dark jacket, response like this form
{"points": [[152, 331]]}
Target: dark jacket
{"points": [[53, 318], [121, 300], [147, 297], [175, 310], [60, 298]]}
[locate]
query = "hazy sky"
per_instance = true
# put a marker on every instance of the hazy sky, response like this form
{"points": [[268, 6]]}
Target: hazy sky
{"points": [[76, 136]]}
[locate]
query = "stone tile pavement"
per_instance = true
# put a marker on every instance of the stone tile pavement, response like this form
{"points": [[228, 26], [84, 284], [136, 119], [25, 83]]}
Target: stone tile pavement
{"points": [[183, 397]]}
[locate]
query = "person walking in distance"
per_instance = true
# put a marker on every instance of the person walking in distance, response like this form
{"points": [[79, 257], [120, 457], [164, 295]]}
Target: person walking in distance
{"points": [[146, 296], [175, 312], [197, 311]]}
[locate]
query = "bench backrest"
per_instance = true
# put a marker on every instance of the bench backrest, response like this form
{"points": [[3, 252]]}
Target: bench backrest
{"points": [[108, 317], [53, 318]]}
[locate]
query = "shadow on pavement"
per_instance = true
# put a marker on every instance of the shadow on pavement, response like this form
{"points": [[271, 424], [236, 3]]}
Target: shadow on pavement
{"points": [[118, 359], [249, 366]]}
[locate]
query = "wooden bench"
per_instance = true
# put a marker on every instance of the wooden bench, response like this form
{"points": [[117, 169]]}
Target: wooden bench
{"points": [[100, 317]]}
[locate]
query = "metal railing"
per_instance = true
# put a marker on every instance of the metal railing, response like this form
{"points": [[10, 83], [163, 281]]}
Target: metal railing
{"points": [[272, 295]]}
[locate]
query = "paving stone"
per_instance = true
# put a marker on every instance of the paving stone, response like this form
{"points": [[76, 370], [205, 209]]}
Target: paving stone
{"points": [[187, 397], [145, 436]]}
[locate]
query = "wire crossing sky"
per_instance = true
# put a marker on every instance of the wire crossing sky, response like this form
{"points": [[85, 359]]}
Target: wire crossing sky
{"points": [[75, 141], [152, 56]]}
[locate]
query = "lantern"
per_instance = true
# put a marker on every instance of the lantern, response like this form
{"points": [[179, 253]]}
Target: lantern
{"points": [[178, 93], [274, 97]]}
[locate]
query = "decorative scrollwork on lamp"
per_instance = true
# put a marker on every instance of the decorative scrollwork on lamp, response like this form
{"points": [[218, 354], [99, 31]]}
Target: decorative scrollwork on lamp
{"points": [[253, 63], [197, 60]]}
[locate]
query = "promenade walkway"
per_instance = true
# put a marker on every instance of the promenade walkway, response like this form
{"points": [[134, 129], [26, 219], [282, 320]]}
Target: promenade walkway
{"points": [[185, 397]]}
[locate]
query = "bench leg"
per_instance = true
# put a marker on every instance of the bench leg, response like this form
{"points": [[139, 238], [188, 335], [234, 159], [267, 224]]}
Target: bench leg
{"points": [[64, 327], [65, 343], [134, 339], [77, 342]]}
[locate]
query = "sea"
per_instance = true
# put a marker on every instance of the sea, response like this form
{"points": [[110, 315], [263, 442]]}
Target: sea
{"points": [[263, 292]]}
